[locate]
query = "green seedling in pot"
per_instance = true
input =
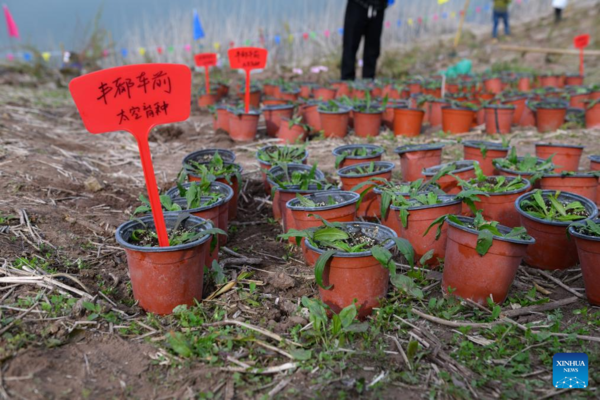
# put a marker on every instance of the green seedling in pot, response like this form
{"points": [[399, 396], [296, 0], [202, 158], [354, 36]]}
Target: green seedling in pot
{"points": [[487, 230], [356, 152], [196, 196], [494, 184], [147, 237], [360, 170], [528, 164], [483, 148], [551, 208], [276, 155], [335, 237], [305, 202], [588, 228], [330, 106], [215, 169], [368, 106], [297, 179]]}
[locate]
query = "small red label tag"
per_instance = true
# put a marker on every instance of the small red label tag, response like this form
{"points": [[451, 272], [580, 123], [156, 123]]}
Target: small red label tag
{"points": [[247, 58], [206, 59], [581, 41]]}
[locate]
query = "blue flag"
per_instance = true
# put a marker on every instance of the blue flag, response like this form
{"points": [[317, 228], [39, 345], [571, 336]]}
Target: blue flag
{"points": [[198, 31]]}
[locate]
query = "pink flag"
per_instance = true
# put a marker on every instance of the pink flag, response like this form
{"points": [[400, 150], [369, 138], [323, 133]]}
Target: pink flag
{"points": [[13, 31]]}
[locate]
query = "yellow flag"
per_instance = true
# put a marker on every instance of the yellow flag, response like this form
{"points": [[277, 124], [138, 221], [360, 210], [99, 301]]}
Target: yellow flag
{"points": [[453, 14], [290, 38], [442, 1], [217, 46], [142, 51], [46, 55], [410, 21]]}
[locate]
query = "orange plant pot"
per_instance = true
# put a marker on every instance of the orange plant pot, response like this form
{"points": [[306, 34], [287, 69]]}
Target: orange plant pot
{"points": [[163, 278], [588, 249], [369, 206], [377, 152], [566, 157], [592, 116], [475, 277], [367, 124], [550, 119], [519, 104], [273, 116], [574, 80], [465, 170], [255, 96], [290, 135], [472, 151], [457, 120], [553, 250], [408, 121], [493, 85], [595, 166], [335, 124], [343, 211], [582, 184], [501, 206], [243, 127], [324, 93], [498, 119], [415, 158], [222, 119], [206, 100], [311, 116], [233, 183]]}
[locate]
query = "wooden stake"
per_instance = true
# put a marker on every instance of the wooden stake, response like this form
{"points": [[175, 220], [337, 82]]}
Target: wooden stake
{"points": [[461, 23]]}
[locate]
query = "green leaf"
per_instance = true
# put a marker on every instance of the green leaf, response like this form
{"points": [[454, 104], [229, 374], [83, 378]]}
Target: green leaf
{"points": [[305, 202], [426, 257], [384, 257], [301, 354], [329, 234], [320, 267], [180, 345], [347, 315], [407, 285], [411, 350], [406, 249], [485, 240]]}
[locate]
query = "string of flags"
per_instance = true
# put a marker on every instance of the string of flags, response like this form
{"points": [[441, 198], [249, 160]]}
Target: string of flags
{"points": [[262, 40]]}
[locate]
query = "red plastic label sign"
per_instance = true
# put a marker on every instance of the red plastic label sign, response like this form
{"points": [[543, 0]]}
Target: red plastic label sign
{"points": [[247, 58], [133, 98], [581, 41], [206, 59]]}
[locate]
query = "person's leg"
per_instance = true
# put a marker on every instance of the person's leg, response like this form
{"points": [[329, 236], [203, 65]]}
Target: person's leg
{"points": [[506, 24], [559, 12], [355, 22], [372, 45], [495, 18]]}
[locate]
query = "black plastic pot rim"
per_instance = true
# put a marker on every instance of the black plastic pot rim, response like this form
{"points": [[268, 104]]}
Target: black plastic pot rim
{"points": [[409, 148], [342, 110], [276, 170], [594, 158], [264, 148], [570, 146], [452, 201], [471, 166], [353, 198], [457, 109], [388, 244], [500, 228], [338, 150], [277, 107], [585, 202], [378, 112], [251, 113], [476, 144], [499, 107], [177, 199], [149, 220], [418, 110], [579, 175], [199, 153], [579, 235], [387, 167]]}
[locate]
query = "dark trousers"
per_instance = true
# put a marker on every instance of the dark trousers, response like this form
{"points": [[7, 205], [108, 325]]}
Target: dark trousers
{"points": [[557, 15], [356, 25], [497, 16]]}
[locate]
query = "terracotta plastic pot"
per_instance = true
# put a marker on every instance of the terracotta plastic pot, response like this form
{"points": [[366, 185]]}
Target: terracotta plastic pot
{"points": [[290, 135], [579, 100], [389, 113], [223, 90], [519, 104], [524, 84], [282, 196], [472, 151], [290, 95], [377, 152], [205, 100], [595, 166], [306, 91], [493, 85], [415, 87], [475, 277], [356, 276], [254, 98], [585, 185], [310, 114], [221, 120], [274, 102], [367, 124], [341, 87], [528, 117], [343, 211], [457, 120], [269, 89], [164, 277], [232, 182], [550, 119], [415, 158], [465, 170], [498, 119], [500, 207], [592, 116], [588, 250], [419, 219], [243, 127], [408, 121], [369, 206], [434, 110], [335, 124], [206, 155], [324, 93], [273, 116], [553, 249], [225, 193], [566, 157], [549, 81], [574, 80]]}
